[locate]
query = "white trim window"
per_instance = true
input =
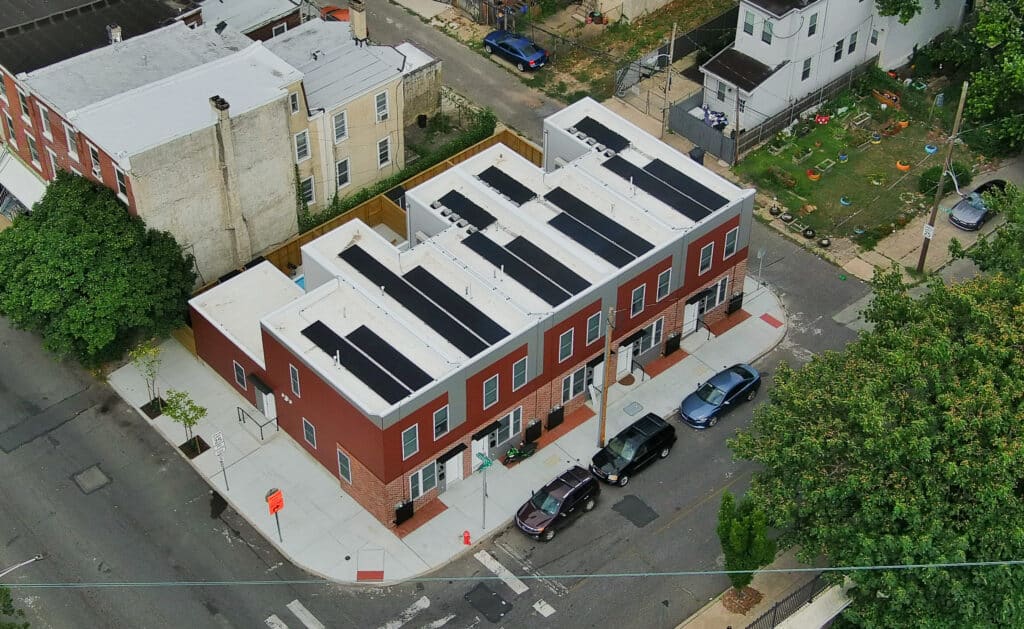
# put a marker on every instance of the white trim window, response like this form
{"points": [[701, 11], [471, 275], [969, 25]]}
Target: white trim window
{"points": [[748, 22], [806, 72], [340, 126], [308, 190], [853, 43], [838, 51], [54, 164], [491, 391], [33, 151], [301, 146], [719, 293], [519, 373], [565, 342], [766, 32], [342, 174], [344, 467], [874, 37], [637, 299], [720, 93], [812, 25], [410, 441], [707, 254], [239, 375], [122, 183], [72, 138], [723, 289], [574, 384], [279, 29], [3, 90], [293, 376], [664, 284], [293, 101], [12, 137], [731, 239], [44, 118], [651, 337], [23, 99], [381, 104], [422, 481], [593, 328], [309, 432], [94, 159], [440, 422], [509, 426], [383, 152]]}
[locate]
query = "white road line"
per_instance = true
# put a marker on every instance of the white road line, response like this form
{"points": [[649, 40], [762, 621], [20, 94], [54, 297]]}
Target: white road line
{"points": [[408, 614], [543, 608], [556, 588], [275, 623], [304, 615], [503, 573], [440, 622]]}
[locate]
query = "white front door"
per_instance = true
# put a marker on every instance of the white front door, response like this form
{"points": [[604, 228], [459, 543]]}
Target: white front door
{"points": [[624, 364], [690, 317], [453, 469], [479, 447]]}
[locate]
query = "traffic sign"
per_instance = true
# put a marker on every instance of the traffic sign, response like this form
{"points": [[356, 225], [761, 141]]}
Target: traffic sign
{"points": [[275, 501], [929, 231], [485, 461]]}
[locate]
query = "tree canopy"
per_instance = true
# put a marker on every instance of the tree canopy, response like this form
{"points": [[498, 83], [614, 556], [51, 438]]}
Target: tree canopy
{"points": [[10, 616], [905, 10], [743, 533], [907, 448], [88, 277]]}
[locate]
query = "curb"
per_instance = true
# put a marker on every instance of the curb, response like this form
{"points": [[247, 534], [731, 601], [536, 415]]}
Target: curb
{"points": [[692, 617]]}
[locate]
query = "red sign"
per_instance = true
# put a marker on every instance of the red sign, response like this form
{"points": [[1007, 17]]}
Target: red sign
{"points": [[275, 500]]}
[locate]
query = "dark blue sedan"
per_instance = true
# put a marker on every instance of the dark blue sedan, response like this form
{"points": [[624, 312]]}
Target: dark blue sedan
{"points": [[522, 52], [726, 389]]}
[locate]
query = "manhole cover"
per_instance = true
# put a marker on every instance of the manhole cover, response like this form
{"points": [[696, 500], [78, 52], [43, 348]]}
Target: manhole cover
{"points": [[90, 479], [487, 602], [636, 511], [633, 408]]}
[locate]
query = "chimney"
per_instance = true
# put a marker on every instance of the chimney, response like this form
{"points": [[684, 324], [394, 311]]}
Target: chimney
{"points": [[113, 33], [357, 20]]}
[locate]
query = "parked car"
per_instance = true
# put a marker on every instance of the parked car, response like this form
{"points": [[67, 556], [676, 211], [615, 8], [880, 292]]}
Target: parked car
{"points": [[633, 449], [331, 13], [517, 48], [725, 389], [970, 212], [558, 503]]}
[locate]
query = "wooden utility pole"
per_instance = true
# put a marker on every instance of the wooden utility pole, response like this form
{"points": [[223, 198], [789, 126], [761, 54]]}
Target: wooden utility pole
{"points": [[668, 80], [736, 129], [929, 229], [609, 326]]}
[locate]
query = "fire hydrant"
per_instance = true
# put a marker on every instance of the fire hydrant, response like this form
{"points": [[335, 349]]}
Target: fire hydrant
{"points": [[465, 538]]}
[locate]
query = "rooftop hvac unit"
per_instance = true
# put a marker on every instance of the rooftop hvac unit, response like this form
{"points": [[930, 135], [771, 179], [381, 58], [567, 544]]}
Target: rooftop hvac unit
{"points": [[559, 162], [591, 141], [600, 147], [572, 129], [471, 230], [609, 153], [435, 204], [581, 135], [445, 211], [453, 217], [462, 223]]}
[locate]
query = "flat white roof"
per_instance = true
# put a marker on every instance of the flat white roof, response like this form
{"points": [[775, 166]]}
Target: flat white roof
{"points": [[245, 15], [236, 306], [414, 57]]}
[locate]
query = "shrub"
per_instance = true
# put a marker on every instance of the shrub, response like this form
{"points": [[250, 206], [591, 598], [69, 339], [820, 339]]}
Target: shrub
{"points": [[930, 179]]}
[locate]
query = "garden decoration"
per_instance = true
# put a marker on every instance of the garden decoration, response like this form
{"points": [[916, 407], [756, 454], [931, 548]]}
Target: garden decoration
{"points": [[931, 149], [876, 138], [902, 124], [821, 119], [845, 200], [919, 85], [824, 242], [787, 218], [859, 231], [877, 179], [902, 166], [813, 174], [887, 98], [809, 233], [843, 157], [775, 210]]}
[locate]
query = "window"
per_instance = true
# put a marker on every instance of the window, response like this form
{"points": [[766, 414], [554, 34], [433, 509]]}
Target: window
{"points": [[874, 37], [382, 106], [301, 146], [491, 391], [574, 384], [716, 296], [720, 94], [519, 373], [723, 289], [72, 137], [853, 44], [340, 127], [807, 69], [344, 467], [122, 182], [565, 345], [307, 191], [44, 118], [23, 99], [383, 152], [422, 481], [239, 375], [10, 130], [812, 25], [3, 89], [54, 164], [650, 338], [730, 242], [441, 422], [766, 32], [742, 104], [293, 373], [594, 327], [838, 54], [341, 173], [279, 29], [664, 281], [293, 99], [748, 23], [309, 432], [94, 157], [410, 441], [636, 301], [33, 151], [706, 254], [509, 426]]}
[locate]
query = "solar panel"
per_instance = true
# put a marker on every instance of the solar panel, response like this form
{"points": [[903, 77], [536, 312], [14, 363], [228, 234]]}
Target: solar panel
{"points": [[380, 381], [465, 312], [540, 260], [688, 185], [439, 320], [389, 358], [657, 188], [591, 240], [503, 183], [476, 215], [602, 134], [516, 268], [598, 222]]}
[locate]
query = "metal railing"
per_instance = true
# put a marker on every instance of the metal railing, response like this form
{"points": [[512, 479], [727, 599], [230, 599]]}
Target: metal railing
{"points": [[242, 415], [787, 606]]}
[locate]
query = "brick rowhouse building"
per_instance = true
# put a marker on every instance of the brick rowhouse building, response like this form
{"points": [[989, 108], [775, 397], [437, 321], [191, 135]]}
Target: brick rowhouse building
{"points": [[395, 366]]}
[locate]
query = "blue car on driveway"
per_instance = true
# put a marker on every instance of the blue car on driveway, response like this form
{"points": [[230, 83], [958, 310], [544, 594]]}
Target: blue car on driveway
{"points": [[726, 389], [518, 49]]}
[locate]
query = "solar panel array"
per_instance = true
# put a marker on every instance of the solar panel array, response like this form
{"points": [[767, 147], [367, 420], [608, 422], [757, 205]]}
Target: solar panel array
{"points": [[476, 215], [595, 231], [658, 188], [351, 359], [686, 184], [465, 312], [602, 134], [506, 185]]}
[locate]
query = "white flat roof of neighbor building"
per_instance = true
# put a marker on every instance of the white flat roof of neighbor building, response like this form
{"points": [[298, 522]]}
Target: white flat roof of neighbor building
{"points": [[414, 57], [245, 15], [236, 306]]}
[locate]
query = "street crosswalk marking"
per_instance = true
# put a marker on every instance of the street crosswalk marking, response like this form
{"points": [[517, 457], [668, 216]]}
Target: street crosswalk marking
{"points": [[304, 615], [501, 571], [556, 588], [543, 608], [275, 623], [408, 614]]}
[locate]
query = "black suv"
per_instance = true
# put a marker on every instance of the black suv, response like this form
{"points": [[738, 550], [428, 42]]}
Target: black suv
{"points": [[633, 449], [557, 503]]}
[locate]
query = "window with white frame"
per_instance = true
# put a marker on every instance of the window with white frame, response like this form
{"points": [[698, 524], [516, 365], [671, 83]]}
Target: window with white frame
{"points": [[838, 51], [636, 301], [491, 391], [741, 104], [279, 29], [10, 130], [593, 327], [441, 422], [565, 345], [293, 374], [44, 118], [344, 467], [383, 152], [72, 138], [853, 43], [574, 384], [301, 146], [748, 23], [410, 441], [651, 337], [23, 99], [422, 481], [509, 426], [806, 72], [341, 173], [874, 37], [122, 182], [94, 157], [812, 25], [723, 289], [766, 32], [720, 94], [707, 253], [33, 151], [340, 126], [381, 101], [716, 295], [731, 239], [293, 100], [664, 284], [239, 375], [309, 432], [519, 373], [54, 164], [306, 189]]}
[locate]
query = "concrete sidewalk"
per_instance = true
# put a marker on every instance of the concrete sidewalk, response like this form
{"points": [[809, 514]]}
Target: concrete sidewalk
{"points": [[327, 533]]}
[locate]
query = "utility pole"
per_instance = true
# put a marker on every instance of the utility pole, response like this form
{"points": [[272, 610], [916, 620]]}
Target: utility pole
{"points": [[929, 229], [736, 129], [608, 328], [668, 79]]}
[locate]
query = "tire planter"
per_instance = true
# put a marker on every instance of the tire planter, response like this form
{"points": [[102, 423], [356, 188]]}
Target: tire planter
{"points": [[775, 210], [859, 231], [813, 175], [824, 242], [787, 218], [902, 166], [931, 149], [845, 200], [843, 157], [876, 138], [903, 124], [809, 233]]}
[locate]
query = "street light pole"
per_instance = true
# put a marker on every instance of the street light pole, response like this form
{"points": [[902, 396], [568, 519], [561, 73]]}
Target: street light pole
{"points": [[7, 571]]}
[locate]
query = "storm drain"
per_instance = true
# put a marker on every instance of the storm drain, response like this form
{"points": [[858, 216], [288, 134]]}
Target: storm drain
{"points": [[487, 602], [90, 479], [636, 511]]}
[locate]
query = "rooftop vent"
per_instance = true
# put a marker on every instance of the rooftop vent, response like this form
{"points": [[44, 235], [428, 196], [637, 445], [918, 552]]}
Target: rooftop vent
{"points": [[462, 223], [600, 147], [609, 153], [445, 211], [581, 135], [591, 141], [471, 230], [572, 129], [454, 217], [220, 27], [113, 33], [435, 204]]}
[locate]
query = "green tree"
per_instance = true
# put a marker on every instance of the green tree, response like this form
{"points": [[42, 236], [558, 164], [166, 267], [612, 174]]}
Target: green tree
{"points": [[743, 532], [181, 408], [87, 276], [1002, 251], [10, 616], [146, 358], [907, 447], [905, 10]]}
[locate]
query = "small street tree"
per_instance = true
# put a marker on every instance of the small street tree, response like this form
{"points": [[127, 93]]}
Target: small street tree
{"points": [[146, 358], [10, 616], [181, 408], [743, 532]]}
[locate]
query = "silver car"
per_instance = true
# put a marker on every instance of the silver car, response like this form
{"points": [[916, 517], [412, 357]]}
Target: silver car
{"points": [[970, 212]]}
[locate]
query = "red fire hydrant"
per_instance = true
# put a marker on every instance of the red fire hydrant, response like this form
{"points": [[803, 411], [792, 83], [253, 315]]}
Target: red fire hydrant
{"points": [[465, 538]]}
